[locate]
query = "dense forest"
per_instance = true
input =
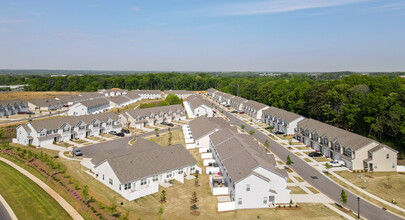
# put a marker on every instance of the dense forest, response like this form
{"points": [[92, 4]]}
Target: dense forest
{"points": [[372, 105]]}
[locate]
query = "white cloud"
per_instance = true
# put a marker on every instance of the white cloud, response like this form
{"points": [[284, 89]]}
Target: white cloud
{"points": [[12, 21], [390, 6], [277, 6], [134, 8]]}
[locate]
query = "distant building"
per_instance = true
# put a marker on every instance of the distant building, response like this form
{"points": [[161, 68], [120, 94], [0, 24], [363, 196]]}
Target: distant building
{"points": [[12, 107], [89, 107], [182, 94], [199, 106]]}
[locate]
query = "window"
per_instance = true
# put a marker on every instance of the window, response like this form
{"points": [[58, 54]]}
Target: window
{"points": [[198, 143], [143, 182], [239, 201], [265, 200], [180, 171], [155, 178], [127, 186], [110, 181], [393, 165], [103, 176], [375, 166], [388, 156], [247, 187], [192, 168], [169, 174]]}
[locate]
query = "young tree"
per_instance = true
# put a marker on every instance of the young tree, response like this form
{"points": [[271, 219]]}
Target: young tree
{"points": [[343, 197], [156, 131], [1, 134], [266, 143], [289, 162], [160, 212], [85, 191], [113, 206], [327, 165], [173, 99], [196, 180], [163, 196], [194, 200], [242, 126], [251, 132], [170, 137]]}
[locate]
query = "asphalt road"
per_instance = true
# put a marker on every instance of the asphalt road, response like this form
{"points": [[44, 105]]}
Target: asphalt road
{"points": [[116, 146], [314, 177], [3, 213], [32, 118]]}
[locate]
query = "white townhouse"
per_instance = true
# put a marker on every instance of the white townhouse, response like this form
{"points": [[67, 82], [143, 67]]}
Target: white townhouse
{"points": [[211, 92], [119, 101], [226, 99], [247, 173], [202, 127], [358, 152], [45, 104], [134, 97], [199, 106], [147, 94], [182, 94], [89, 107], [71, 99], [113, 92], [44, 132], [218, 96], [12, 107], [238, 103], [281, 120], [254, 109], [140, 118], [139, 171]]}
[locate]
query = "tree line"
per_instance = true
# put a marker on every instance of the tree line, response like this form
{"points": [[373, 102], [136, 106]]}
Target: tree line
{"points": [[371, 105]]}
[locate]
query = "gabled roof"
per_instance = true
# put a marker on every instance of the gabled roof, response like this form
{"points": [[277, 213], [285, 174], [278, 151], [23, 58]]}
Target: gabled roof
{"points": [[119, 99], [379, 147], [11, 102], [197, 100], [146, 158], [281, 113], [255, 105], [178, 92], [95, 102], [146, 92], [45, 102], [238, 99], [345, 138], [202, 126], [155, 110]]}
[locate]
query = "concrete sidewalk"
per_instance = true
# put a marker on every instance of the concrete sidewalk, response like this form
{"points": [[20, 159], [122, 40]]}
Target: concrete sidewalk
{"points": [[62, 202], [10, 212]]}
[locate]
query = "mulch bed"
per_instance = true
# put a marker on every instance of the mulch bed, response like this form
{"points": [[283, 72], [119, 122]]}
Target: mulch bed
{"points": [[289, 208]]}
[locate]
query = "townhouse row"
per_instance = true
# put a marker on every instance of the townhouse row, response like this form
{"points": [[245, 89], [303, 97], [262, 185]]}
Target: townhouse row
{"points": [[12, 107], [358, 152], [140, 118], [139, 171], [45, 132], [239, 167], [199, 106]]}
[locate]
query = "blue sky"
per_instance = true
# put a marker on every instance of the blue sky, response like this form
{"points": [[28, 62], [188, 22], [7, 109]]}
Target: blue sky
{"points": [[197, 35]]}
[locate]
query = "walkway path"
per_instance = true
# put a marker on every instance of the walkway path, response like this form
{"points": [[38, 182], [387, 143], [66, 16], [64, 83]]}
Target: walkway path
{"points": [[6, 212], [69, 209]]}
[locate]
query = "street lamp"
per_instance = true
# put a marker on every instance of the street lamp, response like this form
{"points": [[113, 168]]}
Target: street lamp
{"points": [[358, 207]]}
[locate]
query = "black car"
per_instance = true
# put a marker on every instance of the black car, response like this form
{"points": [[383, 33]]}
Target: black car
{"points": [[126, 131], [120, 134], [77, 152], [278, 132], [170, 125], [315, 154], [30, 113], [234, 111]]}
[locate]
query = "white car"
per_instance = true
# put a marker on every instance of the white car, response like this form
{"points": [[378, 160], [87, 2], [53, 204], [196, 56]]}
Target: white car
{"points": [[337, 163]]}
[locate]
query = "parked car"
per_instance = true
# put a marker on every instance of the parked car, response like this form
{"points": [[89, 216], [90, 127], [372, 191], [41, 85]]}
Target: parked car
{"points": [[77, 152], [21, 113], [227, 105], [126, 131], [278, 132], [30, 113], [65, 105], [234, 111], [120, 134], [337, 163], [163, 123], [241, 112], [267, 128], [112, 132], [315, 154], [214, 111], [170, 124]]}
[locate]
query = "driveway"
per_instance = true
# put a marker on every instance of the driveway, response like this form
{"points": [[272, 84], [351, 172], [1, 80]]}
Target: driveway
{"points": [[116, 146], [314, 177], [3, 213]]}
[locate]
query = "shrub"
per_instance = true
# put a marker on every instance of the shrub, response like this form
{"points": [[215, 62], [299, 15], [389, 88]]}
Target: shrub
{"points": [[76, 186], [100, 205]]}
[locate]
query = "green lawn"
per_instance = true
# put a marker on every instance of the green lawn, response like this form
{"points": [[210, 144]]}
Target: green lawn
{"points": [[27, 199]]}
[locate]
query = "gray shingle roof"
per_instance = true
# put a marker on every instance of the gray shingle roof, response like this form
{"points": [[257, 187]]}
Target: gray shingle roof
{"points": [[146, 159], [155, 110], [255, 105], [197, 100], [178, 92], [95, 102], [202, 126], [238, 100], [345, 138], [281, 113], [119, 99]]}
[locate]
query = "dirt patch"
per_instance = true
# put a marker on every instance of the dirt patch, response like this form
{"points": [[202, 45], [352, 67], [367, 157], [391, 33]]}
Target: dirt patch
{"points": [[195, 213]]}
